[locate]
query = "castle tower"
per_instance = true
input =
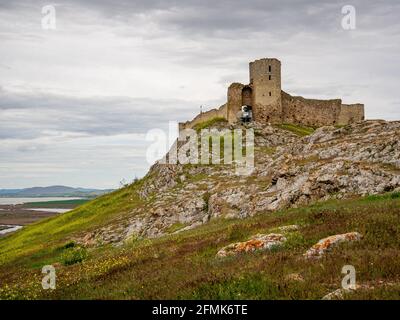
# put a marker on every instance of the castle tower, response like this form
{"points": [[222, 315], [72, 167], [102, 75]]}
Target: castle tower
{"points": [[265, 81]]}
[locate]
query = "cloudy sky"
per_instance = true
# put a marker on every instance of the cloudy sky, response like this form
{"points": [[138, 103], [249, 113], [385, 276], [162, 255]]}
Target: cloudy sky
{"points": [[76, 102]]}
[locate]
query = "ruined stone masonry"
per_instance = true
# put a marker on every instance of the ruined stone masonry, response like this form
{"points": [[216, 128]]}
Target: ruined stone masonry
{"points": [[270, 104]]}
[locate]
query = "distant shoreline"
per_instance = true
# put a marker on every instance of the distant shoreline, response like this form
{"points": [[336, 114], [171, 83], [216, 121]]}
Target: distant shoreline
{"points": [[21, 215], [2, 196]]}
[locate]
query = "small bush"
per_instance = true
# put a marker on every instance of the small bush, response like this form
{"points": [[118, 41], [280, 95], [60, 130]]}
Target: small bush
{"points": [[395, 195], [295, 240], [206, 198], [385, 196], [73, 255], [68, 245], [236, 233]]}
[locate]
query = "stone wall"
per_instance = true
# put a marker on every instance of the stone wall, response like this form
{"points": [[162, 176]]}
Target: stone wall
{"points": [[235, 101], [221, 112], [310, 112], [272, 105], [351, 113], [247, 96]]}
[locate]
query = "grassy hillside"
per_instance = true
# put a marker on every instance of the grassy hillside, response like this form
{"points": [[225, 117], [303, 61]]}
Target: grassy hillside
{"points": [[42, 237], [184, 265], [300, 130], [210, 123], [60, 204]]}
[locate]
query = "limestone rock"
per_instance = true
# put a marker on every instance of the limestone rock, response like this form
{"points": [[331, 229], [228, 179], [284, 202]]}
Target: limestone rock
{"points": [[338, 294], [258, 242], [294, 277], [334, 295], [289, 228], [326, 244]]}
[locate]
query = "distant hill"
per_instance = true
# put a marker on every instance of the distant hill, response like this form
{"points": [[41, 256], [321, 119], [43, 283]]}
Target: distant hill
{"points": [[52, 191]]}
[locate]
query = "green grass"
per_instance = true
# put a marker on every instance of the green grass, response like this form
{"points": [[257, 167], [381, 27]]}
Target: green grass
{"points": [[209, 123], [175, 227], [297, 129], [60, 204], [184, 265], [41, 237], [376, 197], [73, 255]]}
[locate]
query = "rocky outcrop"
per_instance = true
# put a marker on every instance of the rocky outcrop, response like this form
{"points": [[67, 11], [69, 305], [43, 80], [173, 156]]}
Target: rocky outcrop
{"points": [[256, 243], [161, 177], [290, 171], [326, 244]]}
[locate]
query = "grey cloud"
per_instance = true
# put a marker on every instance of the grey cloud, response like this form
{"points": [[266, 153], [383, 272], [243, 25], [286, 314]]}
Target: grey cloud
{"points": [[200, 39], [238, 18], [26, 116], [229, 18]]}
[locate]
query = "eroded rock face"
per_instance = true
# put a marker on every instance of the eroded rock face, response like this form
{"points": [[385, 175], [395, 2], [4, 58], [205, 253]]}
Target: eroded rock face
{"points": [[290, 171], [164, 178], [326, 244], [256, 243]]}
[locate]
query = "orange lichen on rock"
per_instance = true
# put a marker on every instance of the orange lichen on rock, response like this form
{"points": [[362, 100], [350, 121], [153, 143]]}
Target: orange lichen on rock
{"points": [[323, 245], [258, 242]]}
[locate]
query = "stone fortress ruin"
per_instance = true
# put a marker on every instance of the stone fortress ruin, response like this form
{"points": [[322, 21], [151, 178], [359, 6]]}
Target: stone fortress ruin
{"points": [[263, 101]]}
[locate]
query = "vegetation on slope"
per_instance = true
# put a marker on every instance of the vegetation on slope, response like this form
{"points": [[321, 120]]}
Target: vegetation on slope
{"points": [[184, 265], [41, 238], [300, 130], [209, 123], [59, 204]]}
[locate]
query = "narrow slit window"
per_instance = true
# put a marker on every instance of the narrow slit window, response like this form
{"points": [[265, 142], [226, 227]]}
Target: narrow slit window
{"points": [[269, 77], [270, 93], [269, 69]]}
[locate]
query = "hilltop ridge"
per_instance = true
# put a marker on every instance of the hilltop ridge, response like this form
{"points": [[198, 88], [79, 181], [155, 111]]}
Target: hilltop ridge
{"points": [[293, 167]]}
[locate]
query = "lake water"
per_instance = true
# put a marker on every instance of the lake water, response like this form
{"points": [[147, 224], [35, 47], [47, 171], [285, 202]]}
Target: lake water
{"points": [[50, 210], [24, 200], [9, 229], [12, 201]]}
